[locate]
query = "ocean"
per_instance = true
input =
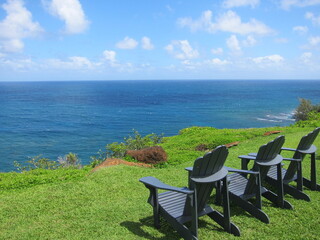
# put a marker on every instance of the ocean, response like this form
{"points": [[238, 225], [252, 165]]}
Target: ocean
{"points": [[55, 118]]}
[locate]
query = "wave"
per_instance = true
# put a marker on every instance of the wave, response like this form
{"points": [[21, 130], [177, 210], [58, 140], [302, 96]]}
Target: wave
{"points": [[281, 117], [268, 120]]}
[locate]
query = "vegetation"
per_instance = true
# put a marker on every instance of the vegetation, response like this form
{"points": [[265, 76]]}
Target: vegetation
{"points": [[70, 160], [304, 109], [132, 142], [36, 162], [71, 203], [62, 200]]}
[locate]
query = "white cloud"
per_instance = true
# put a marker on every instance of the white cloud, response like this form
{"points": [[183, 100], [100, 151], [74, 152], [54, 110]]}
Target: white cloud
{"points": [[314, 19], [301, 29], [20, 65], [240, 3], [233, 43], [269, 59], [146, 43], [17, 25], [287, 4], [109, 56], [227, 22], [181, 49], [250, 41], [73, 63], [218, 61], [306, 57], [281, 40], [127, 43], [71, 12], [169, 8], [217, 51], [314, 41], [12, 45]]}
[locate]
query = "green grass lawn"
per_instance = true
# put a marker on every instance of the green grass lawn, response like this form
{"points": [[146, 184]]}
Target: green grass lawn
{"points": [[111, 203]]}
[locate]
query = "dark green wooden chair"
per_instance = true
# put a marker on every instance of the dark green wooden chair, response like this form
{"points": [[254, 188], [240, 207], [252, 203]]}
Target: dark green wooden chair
{"points": [[294, 171], [181, 205], [245, 185]]}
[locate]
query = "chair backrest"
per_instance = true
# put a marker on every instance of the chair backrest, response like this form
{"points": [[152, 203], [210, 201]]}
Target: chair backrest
{"points": [[266, 155], [211, 163], [306, 142], [304, 145]]}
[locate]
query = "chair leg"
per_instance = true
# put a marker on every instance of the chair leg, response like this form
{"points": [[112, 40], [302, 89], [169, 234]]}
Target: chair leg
{"points": [[312, 183], [280, 186], [307, 183], [156, 216], [219, 218], [153, 201], [218, 199], [299, 176], [194, 213], [250, 208], [274, 198], [179, 227], [313, 172], [294, 192], [226, 205]]}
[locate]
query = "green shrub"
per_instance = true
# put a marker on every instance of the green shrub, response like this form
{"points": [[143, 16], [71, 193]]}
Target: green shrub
{"points": [[36, 162], [313, 120], [133, 142], [98, 158], [69, 160], [304, 108]]}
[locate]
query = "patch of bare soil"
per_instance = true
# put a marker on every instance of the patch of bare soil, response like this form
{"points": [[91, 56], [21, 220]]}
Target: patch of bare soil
{"points": [[271, 132], [116, 161]]}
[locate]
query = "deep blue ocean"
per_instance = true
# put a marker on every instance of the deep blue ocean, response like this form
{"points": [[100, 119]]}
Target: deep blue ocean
{"points": [[55, 118]]}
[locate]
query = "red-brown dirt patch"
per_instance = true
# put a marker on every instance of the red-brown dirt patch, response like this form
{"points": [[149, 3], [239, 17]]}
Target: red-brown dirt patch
{"points": [[116, 161], [271, 132], [229, 145]]}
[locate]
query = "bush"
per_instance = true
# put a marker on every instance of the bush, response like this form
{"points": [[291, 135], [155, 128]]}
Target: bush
{"points": [[153, 155], [69, 160], [98, 158], [305, 107], [133, 142], [36, 162], [313, 120]]}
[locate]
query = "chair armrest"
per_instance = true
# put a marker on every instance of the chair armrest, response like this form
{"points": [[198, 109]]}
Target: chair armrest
{"points": [[292, 159], [288, 149], [247, 157], [241, 171], [156, 183], [253, 155], [189, 169]]}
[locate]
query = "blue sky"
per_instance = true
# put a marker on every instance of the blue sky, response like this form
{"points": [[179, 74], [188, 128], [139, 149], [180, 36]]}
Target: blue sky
{"points": [[148, 39]]}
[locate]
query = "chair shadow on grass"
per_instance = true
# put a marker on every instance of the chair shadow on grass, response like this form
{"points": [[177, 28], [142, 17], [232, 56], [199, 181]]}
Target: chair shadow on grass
{"points": [[166, 230]]}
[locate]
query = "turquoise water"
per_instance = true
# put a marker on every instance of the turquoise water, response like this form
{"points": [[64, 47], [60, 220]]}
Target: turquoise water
{"points": [[54, 118]]}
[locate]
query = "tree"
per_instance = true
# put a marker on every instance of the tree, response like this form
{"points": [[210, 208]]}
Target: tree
{"points": [[305, 106]]}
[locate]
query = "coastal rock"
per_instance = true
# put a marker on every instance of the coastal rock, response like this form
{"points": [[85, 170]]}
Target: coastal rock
{"points": [[152, 155]]}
